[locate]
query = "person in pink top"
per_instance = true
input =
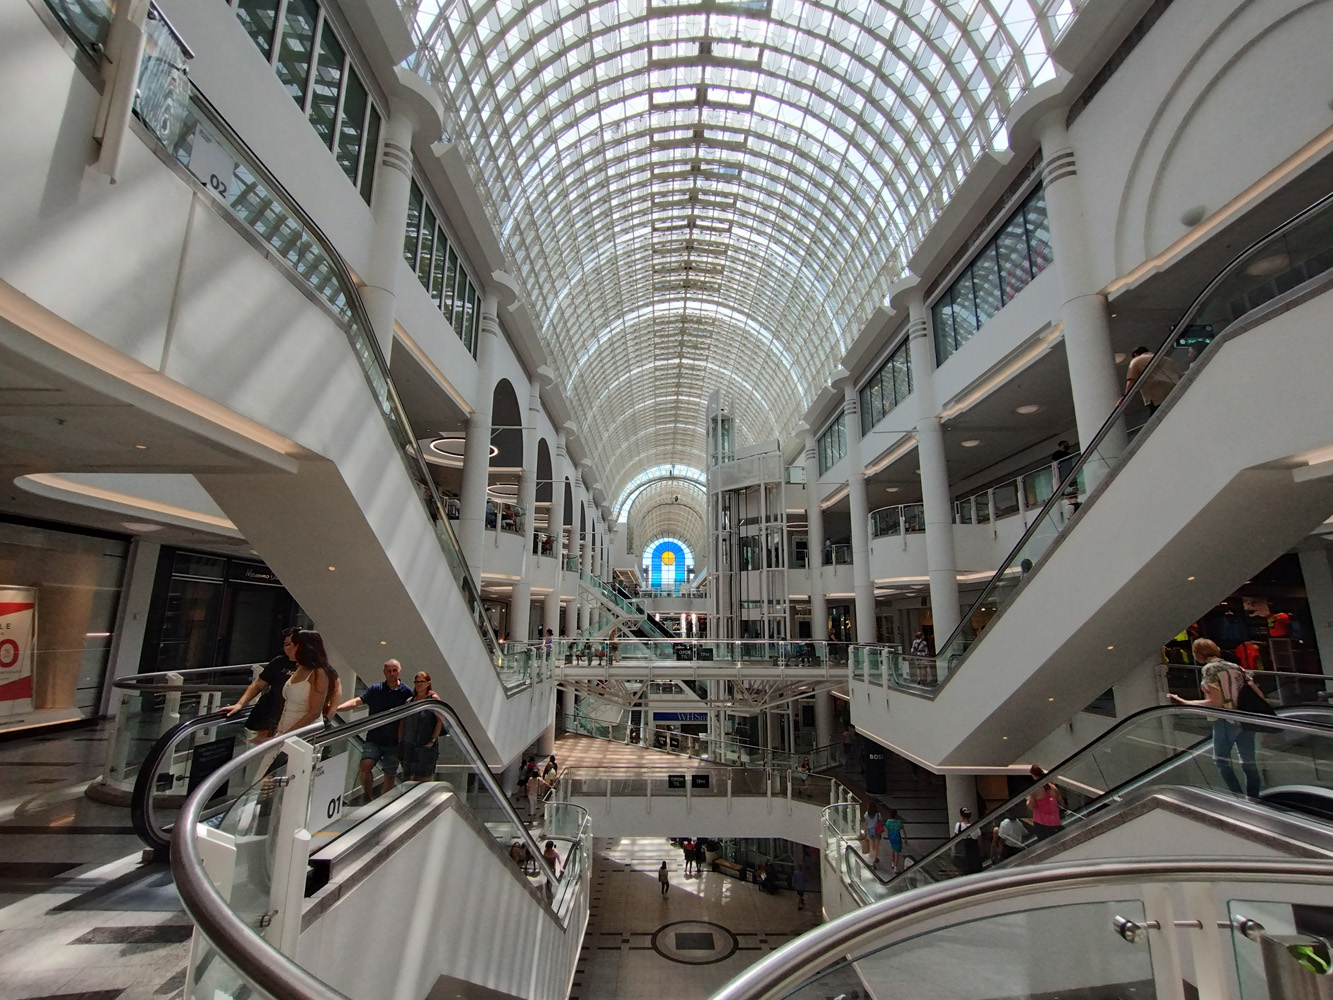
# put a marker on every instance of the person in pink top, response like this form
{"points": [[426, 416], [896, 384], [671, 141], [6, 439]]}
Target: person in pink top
{"points": [[1045, 802]]}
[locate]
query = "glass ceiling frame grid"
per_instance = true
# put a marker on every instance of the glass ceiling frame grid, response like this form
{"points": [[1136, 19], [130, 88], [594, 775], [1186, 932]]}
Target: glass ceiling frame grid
{"points": [[821, 140]]}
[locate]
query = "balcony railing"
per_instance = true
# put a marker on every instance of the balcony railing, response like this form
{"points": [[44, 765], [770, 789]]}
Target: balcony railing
{"points": [[904, 519]]}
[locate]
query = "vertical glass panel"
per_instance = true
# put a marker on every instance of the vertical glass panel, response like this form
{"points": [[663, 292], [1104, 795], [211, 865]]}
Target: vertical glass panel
{"points": [[469, 309], [427, 245], [295, 47], [986, 284], [901, 371], [460, 304], [1011, 247], [872, 404], [942, 319], [328, 84], [350, 125], [437, 266], [447, 287], [372, 147], [259, 18], [1038, 231], [413, 227], [964, 310]]}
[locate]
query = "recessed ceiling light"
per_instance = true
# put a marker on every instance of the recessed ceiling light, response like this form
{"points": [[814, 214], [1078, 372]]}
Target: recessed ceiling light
{"points": [[142, 526], [1028, 408], [1110, 647], [1191, 578], [332, 568], [1050, 699], [891, 489], [970, 443], [383, 642], [1119, 357], [142, 447]]}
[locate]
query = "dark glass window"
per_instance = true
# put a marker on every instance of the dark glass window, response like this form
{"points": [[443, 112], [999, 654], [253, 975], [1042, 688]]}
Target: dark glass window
{"points": [[259, 18], [427, 246], [368, 160], [1011, 247], [413, 227], [887, 388], [350, 126], [1000, 270], [327, 86], [986, 285], [964, 311], [296, 46], [1038, 231]]}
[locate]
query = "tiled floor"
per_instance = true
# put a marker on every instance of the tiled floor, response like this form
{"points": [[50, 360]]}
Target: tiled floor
{"points": [[80, 915], [642, 945]]}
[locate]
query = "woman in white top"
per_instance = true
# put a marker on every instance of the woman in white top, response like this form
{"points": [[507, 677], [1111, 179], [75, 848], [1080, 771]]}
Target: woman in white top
{"points": [[311, 687]]}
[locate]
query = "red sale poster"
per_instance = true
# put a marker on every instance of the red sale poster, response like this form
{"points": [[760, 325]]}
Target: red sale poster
{"points": [[18, 626]]}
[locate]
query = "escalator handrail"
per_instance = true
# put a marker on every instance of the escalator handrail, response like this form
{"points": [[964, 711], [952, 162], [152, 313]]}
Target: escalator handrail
{"points": [[141, 799], [459, 568], [854, 934], [1163, 711], [1089, 449], [156, 681], [258, 961]]}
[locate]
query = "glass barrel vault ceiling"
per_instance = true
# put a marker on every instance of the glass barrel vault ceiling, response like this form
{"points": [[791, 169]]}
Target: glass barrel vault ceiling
{"points": [[718, 194]]}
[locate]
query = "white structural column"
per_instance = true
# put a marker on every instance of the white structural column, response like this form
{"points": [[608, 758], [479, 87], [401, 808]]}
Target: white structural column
{"points": [[814, 533], [520, 603], [414, 106], [477, 446], [860, 513], [936, 502], [1083, 311], [556, 526]]}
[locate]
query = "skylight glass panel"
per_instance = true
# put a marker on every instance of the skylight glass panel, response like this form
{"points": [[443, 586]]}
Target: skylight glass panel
{"points": [[793, 191]]}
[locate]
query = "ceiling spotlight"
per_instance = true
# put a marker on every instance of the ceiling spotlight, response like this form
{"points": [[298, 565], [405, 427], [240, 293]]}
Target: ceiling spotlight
{"points": [[970, 443], [1027, 408], [1189, 578]]}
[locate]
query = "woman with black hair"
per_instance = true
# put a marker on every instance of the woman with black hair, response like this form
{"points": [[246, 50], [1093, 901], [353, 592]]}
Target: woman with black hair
{"points": [[312, 685]]}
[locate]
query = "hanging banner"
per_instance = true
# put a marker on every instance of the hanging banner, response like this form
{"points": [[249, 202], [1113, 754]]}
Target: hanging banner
{"points": [[18, 624]]}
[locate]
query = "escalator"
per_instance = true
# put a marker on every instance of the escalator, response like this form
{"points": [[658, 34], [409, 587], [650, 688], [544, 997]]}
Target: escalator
{"points": [[323, 475], [1156, 749], [299, 862], [1171, 525]]}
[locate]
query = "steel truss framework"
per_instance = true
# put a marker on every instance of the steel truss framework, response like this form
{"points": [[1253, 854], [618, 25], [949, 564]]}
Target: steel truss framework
{"points": [[703, 195]]}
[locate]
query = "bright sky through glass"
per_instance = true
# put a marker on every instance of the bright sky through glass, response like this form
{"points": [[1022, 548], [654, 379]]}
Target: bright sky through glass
{"points": [[698, 196]]}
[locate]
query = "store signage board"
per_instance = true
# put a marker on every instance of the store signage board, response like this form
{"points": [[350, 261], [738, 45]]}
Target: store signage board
{"points": [[326, 797], [18, 633]]}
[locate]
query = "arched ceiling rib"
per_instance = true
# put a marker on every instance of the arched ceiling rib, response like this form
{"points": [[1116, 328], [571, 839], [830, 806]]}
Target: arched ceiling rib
{"points": [[718, 194], [667, 509]]}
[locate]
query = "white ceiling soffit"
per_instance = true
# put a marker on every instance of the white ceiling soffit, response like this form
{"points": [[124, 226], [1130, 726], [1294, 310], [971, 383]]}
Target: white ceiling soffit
{"points": [[718, 194]]}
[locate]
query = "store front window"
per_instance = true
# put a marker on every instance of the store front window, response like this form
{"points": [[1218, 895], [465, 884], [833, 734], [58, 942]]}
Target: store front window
{"points": [[59, 590]]}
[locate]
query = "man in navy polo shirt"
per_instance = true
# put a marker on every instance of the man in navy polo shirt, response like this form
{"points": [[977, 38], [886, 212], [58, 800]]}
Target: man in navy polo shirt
{"points": [[381, 746]]}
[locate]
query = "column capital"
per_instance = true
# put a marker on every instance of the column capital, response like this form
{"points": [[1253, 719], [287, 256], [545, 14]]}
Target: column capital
{"points": [[414, 97], [905, 292]]}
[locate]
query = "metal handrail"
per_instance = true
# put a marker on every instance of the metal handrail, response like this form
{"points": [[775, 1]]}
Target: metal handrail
{"points": [[1292, 725], [159, 681], [259, 962], [864, 930], [422, 477], [142, 817], [1089, 449]]}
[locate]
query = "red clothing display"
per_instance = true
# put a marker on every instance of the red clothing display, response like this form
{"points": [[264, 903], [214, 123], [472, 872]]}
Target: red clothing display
{"points": [[1250, 656]]}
